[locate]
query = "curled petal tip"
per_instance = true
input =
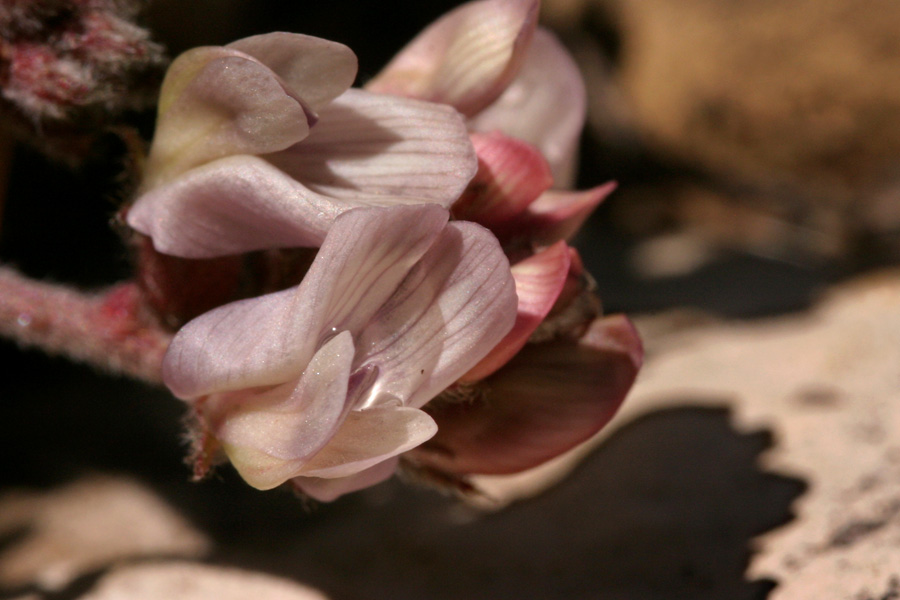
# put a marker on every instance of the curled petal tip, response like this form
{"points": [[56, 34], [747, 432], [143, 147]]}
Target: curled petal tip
{"points": [[559, 214], [369, 437], [328, 490], [466, 58], [217, 102], [317, 70]]}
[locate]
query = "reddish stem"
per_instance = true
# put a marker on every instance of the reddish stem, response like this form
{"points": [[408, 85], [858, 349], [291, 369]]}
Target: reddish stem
{"points": [[106, 329]]}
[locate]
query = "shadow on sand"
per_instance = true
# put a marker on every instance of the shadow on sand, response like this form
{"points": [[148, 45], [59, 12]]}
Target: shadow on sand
{"points": [[665, 508]]}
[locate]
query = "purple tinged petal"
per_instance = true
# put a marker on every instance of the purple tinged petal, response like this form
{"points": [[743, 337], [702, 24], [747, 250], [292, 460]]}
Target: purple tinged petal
{"points": [[268, 340], [233, 347], [240, 204], [220, 102], [548, 399], [466, 58], [368, 437], [230, 206], [454, 306], [317, 70], [376, 145], [545, 105], [328, 490], [270, 435], [365, 256]]}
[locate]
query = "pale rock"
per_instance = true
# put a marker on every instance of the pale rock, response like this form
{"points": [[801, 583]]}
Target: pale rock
{"points": [[186, 581], [826, 383], [86, 525]]}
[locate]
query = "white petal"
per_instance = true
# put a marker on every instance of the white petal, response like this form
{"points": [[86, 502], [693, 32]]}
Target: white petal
{"points": [[369, 144], [218, 103], [368, 437], [466, 58], [544, 105], [317, 70], [454, 306], [328, 490], [269, 340], [269, 436]]}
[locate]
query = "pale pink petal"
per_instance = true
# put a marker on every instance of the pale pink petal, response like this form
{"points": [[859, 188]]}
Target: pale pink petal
{"points": [[317, 70], [328, 490], [230, 206], [270, 435], [232, 347], [379, 145], [221, 102], [453, 307], [548, 399], [511, 175], [544, 105], [367, 254], [269, 339], [466, 58], [240, 204], [539, 281], [368, 437], [558, 214]]}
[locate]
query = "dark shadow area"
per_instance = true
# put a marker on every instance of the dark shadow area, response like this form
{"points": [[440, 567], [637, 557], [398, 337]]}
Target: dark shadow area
{"points": [[61, 420], [373, 30], [734, 284], [666, 508], [56, 222]]}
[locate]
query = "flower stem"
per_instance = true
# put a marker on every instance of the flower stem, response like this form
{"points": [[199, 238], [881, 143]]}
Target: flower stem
{"points": [[108, 329]]}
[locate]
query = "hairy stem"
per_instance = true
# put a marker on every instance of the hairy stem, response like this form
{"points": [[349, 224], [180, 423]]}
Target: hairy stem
{"points": [[106, 329]]}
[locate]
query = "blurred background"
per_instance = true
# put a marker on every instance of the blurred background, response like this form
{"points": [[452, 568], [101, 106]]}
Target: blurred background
{"points": [[757, 148]]}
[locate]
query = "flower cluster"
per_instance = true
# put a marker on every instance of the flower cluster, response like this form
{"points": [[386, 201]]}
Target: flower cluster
{"points": [[444, 323]]}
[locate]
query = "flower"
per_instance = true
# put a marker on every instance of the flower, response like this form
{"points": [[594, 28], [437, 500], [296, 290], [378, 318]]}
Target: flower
{"points": [[261, 144], [563, 370], [408, 335], [323, 384]]}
